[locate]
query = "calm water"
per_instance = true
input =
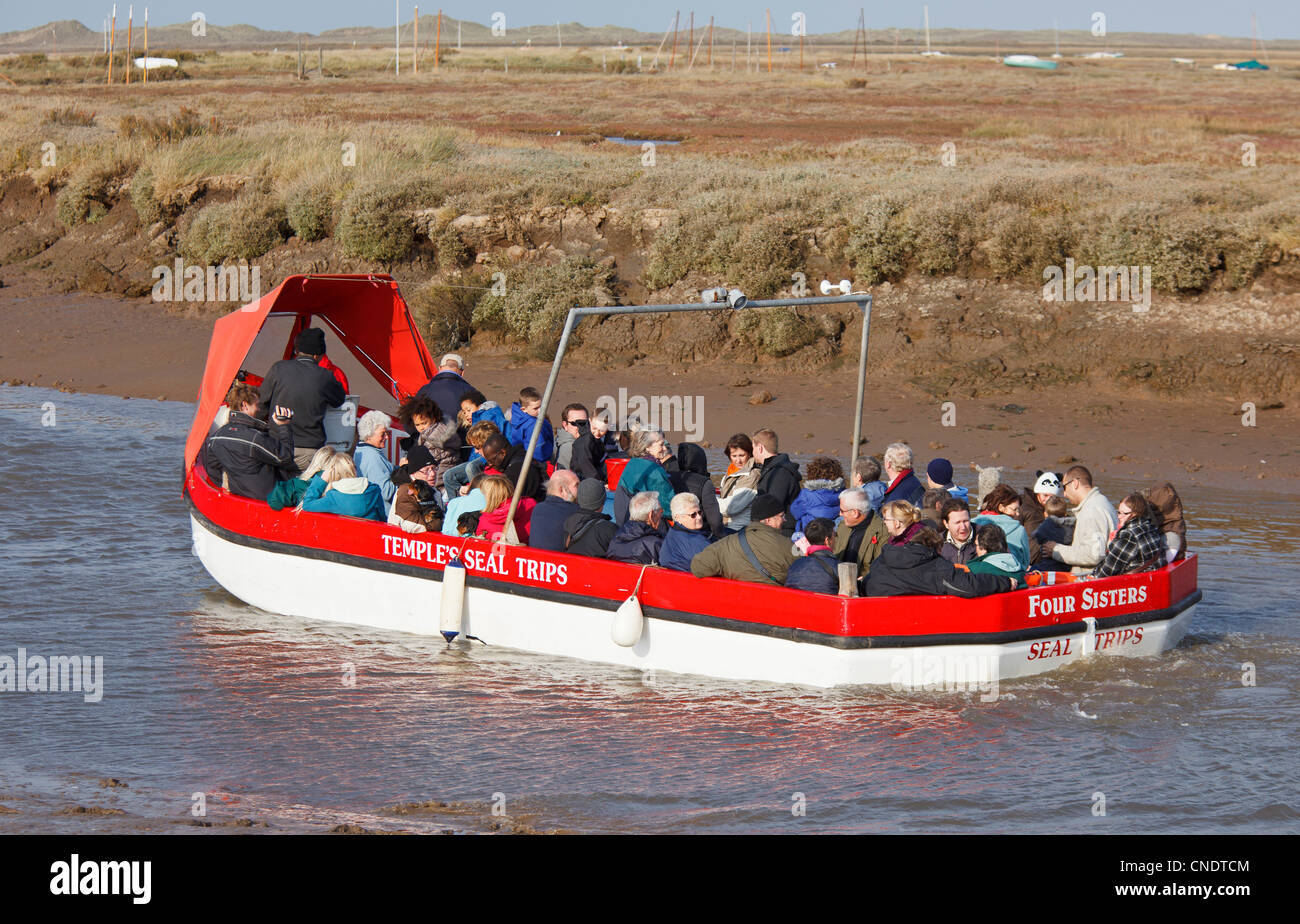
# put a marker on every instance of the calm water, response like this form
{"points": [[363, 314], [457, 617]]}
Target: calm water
{"points": [[204, 694]]}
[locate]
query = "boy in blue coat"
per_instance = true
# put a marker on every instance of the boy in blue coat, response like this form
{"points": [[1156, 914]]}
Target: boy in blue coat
{"points": [[523, 418]]}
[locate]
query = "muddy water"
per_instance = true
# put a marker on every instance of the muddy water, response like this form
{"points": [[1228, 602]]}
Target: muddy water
{"points": [[204, 695]]}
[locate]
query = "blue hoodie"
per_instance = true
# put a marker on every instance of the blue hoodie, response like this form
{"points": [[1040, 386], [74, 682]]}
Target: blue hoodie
{"points": [[1017, 538], [349, 497], [819, 498], [490, 411], [519, 429]]}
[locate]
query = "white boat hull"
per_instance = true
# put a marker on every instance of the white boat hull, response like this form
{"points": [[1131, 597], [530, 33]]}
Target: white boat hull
{"points": [[320, 589]]}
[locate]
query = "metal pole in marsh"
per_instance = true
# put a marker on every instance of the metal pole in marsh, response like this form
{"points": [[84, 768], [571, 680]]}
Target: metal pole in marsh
{"points": [[300, 57], [320, 61], [397, 37], [415, 44], [146, 44], [126, 64], [769, 41], [437, 43], [112, 46]]}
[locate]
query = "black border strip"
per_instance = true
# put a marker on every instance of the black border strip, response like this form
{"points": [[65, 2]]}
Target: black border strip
{"points": [[786, 633]]}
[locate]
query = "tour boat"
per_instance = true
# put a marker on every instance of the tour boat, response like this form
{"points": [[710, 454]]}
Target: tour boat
{"points": [[359, 572]]}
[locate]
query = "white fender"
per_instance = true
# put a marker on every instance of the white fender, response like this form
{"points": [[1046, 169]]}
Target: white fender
{"points": [[629, 622], [452, 610]]}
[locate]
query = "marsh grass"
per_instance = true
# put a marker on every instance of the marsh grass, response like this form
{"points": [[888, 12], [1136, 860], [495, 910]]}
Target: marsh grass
{"points": [[776, 174]]}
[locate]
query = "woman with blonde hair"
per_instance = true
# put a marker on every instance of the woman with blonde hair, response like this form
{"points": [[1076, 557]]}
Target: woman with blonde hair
{"points": [[902, 520], [497, 491], [290, 493], [338, 489]]}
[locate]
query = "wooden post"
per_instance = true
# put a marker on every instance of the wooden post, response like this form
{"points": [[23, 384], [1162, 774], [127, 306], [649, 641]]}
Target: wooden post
{"points": [[415, 44], [130, 11], [300, 57], [848, 573], [769, 41], [320, 61], [146, 44], [437, 42]]}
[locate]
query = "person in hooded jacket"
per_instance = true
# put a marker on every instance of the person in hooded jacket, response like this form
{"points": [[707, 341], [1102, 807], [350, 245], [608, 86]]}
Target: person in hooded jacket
{"points": [[434, 430], [820, 496], [524, 419], [1002, 506], [589, 531], [692, 477], [991, 555], [247, 456], [914, 566], [778, 476], [818, 569], [1046, 485], [1167, 514], [338, 489], [638, 541], [687, 537], [290, 493]]}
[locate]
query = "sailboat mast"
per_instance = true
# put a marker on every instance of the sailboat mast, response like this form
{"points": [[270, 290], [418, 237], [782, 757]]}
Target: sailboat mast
{"points": [[927, 28]]}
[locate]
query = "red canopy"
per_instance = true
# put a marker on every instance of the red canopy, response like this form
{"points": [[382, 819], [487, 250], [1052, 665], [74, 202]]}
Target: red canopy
{"points": [[367, 313]]}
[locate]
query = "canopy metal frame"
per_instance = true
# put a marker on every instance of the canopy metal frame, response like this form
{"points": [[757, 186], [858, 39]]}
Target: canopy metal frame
{"points": [[861, 299]]}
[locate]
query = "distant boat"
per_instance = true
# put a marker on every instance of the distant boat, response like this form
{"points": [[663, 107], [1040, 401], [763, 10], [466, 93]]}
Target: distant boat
{"points": [[1029, 61], [149, 64], [1187, 61], [1251, 65], [1103, 54]]}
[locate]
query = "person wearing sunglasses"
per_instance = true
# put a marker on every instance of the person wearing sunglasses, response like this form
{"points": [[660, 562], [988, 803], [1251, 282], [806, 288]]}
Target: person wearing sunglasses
{"points": [[688, 535], [1138, 544]]}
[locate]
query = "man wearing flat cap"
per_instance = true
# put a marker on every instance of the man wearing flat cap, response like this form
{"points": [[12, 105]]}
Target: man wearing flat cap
{"points": [[760, 552], [301, 386]]}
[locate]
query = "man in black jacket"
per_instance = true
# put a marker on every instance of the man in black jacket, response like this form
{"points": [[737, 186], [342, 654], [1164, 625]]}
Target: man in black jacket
{"points": [[546, 526], [306, 389], [778, 475], [589, 531], [447, 387], [246, 456]]}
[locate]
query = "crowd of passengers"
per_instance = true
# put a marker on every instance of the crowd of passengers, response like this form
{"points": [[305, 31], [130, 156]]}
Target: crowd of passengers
{"points": [[764, 522]]}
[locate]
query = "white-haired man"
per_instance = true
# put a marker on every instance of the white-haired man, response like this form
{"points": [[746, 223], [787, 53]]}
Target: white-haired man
{"points": [[639, 539], [901, 483], [861, 535], [447, 387], [371, 457]]}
